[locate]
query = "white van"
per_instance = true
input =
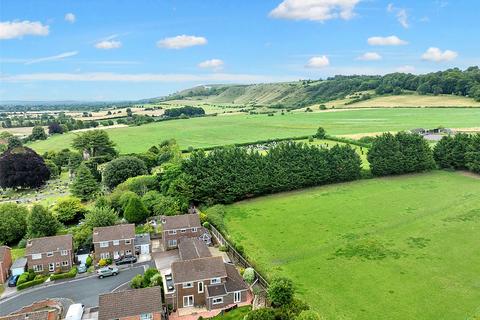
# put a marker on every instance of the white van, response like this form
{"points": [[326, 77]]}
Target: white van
{"points": [[75, 312]]}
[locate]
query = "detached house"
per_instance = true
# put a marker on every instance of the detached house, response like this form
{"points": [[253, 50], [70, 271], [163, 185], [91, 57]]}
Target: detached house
{"points": [[50, 254], [114, 242], [5, 263], [138, 304], [181, 227], [200, 280]]}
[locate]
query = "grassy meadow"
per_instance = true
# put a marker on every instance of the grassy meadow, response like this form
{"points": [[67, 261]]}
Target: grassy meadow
{"points": [[392, 248], [223, 130]]}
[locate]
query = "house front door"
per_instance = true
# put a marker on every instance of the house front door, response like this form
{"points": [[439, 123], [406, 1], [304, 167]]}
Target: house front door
{"points": [[187, 301]]}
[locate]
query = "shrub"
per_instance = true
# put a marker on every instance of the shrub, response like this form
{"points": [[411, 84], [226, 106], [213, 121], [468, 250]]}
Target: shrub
{"points": [[223, 248], [281, 291], [249, 275], [13, 222], [140, 185], [89, 261], [291, 310], [70, 274], [135, 211], [203, 217], [84, 186], [69, 210], [261, 314], [120, 169], [308, 315], [22, 278], [32, 283], [215, 216], [101, 217], [137, 282], [103, 262], [206, 225]]}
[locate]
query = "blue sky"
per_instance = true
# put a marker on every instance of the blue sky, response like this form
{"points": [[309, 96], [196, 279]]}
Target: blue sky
{"points": [[119, 49]]}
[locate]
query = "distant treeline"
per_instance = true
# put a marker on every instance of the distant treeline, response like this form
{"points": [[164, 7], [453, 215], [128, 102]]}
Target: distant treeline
{"points": [[187, 111], [461, 152]]}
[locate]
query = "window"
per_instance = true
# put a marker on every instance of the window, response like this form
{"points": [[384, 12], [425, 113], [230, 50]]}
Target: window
{"points": [[64, 263], [38, 268], [194, 229], [215, 280], [116, 242], [172, 232], [51, 267], [36, 256], [64, 252], [49, 254], [104, 255], [217, 300], [183, 230], [146, 316], [128, 241], [172, 243], [188, 301], [237, 296], [200, 287], [187, 285], [104, 244], [128, 252]]}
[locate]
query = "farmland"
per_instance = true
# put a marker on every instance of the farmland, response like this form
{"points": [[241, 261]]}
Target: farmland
{"points": [[223, 130], [392, 248]]}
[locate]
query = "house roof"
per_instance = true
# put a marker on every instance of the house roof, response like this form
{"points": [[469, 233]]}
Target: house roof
{"points": [[129, 303], [3, 252], [181, 221], [117, 232], [49, 244], [37, 315], [234, 282], [143, 238], [19, 263], [216, 290], [192, 248], [198, 269]]}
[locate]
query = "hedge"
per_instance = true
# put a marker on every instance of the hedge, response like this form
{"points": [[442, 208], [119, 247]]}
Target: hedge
{"points": [[32, 283], [70, 274]]}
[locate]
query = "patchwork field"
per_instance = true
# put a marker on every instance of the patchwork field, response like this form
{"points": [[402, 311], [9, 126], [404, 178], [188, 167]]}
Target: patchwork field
{"points": [[393, 248], [222, 130]]}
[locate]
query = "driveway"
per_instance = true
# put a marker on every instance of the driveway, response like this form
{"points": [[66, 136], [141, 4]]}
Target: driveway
{"points": [[82, 290], [164, 259]]}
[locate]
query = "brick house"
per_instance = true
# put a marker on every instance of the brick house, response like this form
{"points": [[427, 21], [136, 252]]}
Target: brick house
{"points": [[200, 280], [137, 304], [50, 254], [5, 263], [114, 242], [180, 227]]}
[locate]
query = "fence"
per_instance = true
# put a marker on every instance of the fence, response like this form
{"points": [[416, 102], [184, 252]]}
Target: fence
{"points": [[238, 257]]}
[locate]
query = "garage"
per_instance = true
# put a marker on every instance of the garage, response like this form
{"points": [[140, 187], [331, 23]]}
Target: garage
{"points": [[142, 243]]}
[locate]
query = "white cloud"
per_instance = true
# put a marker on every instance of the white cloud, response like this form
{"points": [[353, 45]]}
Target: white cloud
{"points": [[386, 41], [108, 44], [145, 77], [436, 55], [402, 15], [182, 41], [215, 64], [406, 69], [70, 17], [18, 29], [60, 56], [390, 7], [318, 62], [315, 10], [369, 56]]}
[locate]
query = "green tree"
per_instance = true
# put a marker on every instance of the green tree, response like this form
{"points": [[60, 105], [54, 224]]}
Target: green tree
{"points": [[13, 142], [135, 211], [137, 282], [120, 169], [95, 143], [321, 133], [38, 133], [261, 314], [54, 170], [101, 217], [13, 223], [281, 291], [41, 222], [308, 315], [69, 210], [473, 154], [84, 186]]}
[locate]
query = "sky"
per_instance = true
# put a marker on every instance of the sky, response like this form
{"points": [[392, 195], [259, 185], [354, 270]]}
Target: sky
{"points": [[125, 50]]}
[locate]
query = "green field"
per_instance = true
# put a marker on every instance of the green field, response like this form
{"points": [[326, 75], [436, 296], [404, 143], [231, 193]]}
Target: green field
{"points": [[392, 248], [221, 130]]}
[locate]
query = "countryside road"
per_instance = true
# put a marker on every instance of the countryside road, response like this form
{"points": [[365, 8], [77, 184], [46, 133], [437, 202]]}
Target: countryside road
{"points": [[83, 290]]}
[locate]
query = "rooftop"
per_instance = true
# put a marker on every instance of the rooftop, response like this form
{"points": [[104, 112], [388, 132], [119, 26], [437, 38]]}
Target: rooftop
{"points": [[181, 221], [143, 238], [192, 248], [3, 251], [198, 269], [117, 232], [129, 303], [49, 244]]}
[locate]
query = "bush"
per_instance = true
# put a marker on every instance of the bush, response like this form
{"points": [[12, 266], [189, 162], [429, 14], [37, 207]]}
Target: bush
{"points": [[32, 283], [206, 225], [135, 211], [13, 222], [70, 274], [223, 248], [281, 291], [308, 315], [69, 210], [215, 216], [249, 275], [89, 261], [103, 262], [261, 314], [140, 185], [291, 310], [137, 282], [22, 278], [101, 217], [120, 169]]}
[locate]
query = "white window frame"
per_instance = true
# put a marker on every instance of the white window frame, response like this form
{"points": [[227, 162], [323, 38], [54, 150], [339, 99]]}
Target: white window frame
{"points": [[217, 300], [104, 244], [64, 263], [200, 287], [51, 267], [64, 252], [194, 229], [187, 285], [116, 242], [36, 256], [183, 230], [128, 252], [172, 232], [105, 255], [185, 305], [38, 268], [237, 296], [128, 241], [172, 243], [215, 281], [49, 254], [146, 316]]}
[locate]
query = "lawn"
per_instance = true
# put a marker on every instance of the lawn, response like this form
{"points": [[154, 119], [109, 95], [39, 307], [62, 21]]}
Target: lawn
{"points": [[392, 248], [222, 130], [236, 314]]}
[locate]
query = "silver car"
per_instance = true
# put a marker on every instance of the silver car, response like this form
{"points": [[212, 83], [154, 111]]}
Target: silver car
{"points": [[107, 272]]}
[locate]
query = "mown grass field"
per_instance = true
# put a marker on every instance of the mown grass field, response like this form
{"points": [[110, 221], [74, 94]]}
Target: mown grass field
{"points": [[222, 130], [392, 248]]}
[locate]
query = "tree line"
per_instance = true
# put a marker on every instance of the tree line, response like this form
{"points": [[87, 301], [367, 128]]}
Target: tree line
{"points": [[460, 152]]}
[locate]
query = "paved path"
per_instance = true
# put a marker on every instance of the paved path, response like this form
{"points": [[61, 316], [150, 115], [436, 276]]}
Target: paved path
{"points": [[83, 290]]}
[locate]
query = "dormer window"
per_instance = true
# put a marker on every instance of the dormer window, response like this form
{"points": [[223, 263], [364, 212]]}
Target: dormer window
{"points": [[172, 232], [183, 230], [36, 256], [116, 242], [128, 241], [215, 280], [64, 252], [194, 229]]}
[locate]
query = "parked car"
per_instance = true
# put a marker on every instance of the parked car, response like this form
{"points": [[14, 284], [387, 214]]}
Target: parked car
{"points": [[107, 272], [82, 268], [12, 281], [75, 312], [126, 260]]}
